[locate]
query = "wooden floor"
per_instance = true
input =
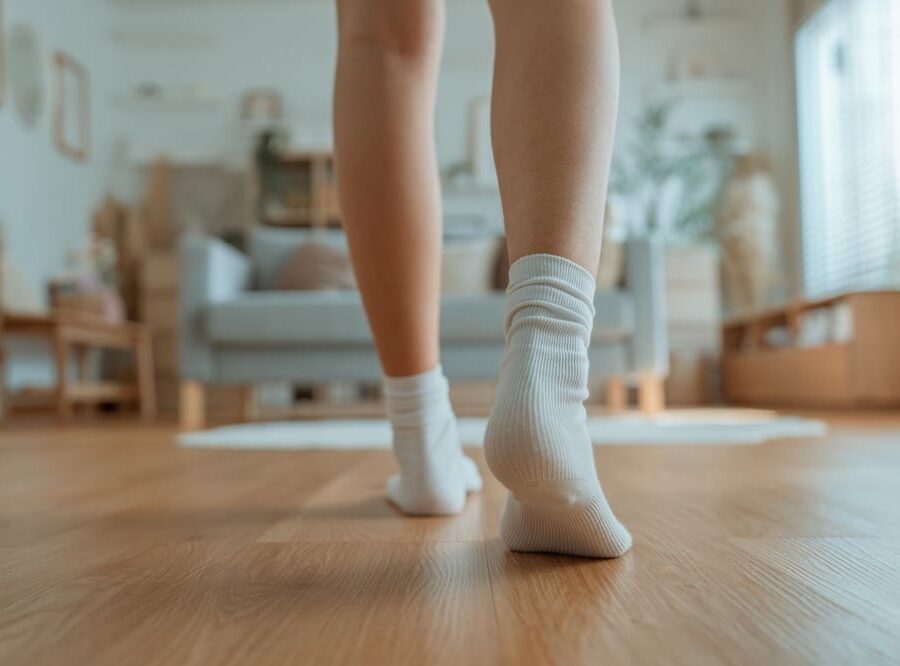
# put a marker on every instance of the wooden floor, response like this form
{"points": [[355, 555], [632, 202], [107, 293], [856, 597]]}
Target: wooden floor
{"points": [[116, 547]]}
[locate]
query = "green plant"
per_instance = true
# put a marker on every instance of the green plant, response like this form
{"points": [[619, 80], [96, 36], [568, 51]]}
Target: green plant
{"points": [[656, 157]]}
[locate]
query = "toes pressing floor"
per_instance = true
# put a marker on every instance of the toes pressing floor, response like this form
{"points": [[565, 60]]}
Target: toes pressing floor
{"points": [[113, 543]]}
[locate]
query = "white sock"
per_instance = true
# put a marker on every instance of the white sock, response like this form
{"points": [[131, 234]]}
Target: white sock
{"points": [[434, 476], [537, 443]]}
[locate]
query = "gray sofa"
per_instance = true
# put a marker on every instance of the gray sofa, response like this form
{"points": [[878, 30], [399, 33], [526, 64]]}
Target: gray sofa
{"points": [[235, 330]]}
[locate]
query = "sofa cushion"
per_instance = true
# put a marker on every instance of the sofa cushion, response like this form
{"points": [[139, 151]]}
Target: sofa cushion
{"points": [[330, 318], [316, 267], [271, 248]]}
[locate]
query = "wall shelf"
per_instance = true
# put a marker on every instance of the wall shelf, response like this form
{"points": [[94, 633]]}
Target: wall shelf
{"points": [[719, 21], [182, 104], [725, 87]]}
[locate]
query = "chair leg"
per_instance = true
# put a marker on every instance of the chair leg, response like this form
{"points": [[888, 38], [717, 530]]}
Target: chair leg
{"points": [[616, 395], [651, 394], [192, 412], [146, 382], [61, 362]]}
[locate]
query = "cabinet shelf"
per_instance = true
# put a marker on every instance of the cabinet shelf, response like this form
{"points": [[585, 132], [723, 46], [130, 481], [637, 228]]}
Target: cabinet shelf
{"points": [[297, 189]]}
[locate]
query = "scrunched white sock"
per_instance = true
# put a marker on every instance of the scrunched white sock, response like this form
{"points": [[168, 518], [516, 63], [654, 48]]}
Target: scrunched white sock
{"points": [[435, 475], [537, 443]]}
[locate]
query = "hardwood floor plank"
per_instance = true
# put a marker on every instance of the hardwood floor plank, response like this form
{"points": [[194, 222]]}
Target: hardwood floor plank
{"points": [[118, 547], [265, 603], [674, 602]]}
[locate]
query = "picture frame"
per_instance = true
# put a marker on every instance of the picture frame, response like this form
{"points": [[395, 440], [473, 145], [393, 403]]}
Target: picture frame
{"points": [[71, 107]]}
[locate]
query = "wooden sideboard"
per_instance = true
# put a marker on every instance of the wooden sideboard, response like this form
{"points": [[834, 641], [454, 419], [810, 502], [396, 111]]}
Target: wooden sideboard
{"points": [[771, 359]]}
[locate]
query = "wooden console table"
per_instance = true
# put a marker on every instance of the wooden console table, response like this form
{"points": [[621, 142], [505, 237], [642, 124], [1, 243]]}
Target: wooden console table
{"points": [[67, 335]]}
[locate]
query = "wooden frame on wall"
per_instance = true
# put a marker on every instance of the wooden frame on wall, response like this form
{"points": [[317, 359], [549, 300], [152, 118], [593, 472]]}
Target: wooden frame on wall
{"points": [[71, 107]]}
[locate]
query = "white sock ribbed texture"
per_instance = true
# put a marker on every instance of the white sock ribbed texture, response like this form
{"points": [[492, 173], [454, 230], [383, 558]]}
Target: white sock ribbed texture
{"points": [[537, 443], [435, 475]]}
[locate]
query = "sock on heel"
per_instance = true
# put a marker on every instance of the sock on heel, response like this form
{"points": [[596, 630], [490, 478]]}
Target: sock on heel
{"points": [[537, 443], [435, 476]]}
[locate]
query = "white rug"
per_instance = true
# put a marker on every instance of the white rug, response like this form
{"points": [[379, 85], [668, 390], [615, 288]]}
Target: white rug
{"points": [[676, 428]]}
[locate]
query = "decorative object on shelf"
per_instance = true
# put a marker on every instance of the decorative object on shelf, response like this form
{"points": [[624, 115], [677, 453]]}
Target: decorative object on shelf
{"points": [[118, 225], [261, 106], [746, 229], [71, 107], [89, 291], [85, 302], [689, 64], [672, 180], [25, 74]]}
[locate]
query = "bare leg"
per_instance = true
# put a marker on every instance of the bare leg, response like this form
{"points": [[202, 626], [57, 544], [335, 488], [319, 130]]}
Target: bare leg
{"points": [[554, 105], [390, 197], [556, 79], [387, 173]]}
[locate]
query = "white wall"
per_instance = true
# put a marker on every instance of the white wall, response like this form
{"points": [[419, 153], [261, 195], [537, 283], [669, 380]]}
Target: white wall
{"points": [[46, 199]]}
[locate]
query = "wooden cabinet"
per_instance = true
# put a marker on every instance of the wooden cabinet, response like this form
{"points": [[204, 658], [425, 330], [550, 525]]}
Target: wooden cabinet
{"points": [[842, 351]]}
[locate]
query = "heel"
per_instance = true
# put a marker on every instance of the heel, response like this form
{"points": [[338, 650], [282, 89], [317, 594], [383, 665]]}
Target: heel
{"points": [[585, 529], [423, 501]]}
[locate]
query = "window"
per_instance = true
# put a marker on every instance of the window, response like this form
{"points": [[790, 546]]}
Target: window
{"points": [[848, 89]]}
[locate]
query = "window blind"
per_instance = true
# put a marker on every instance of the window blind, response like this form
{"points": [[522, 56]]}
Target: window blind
{"points": [[848, 92]]}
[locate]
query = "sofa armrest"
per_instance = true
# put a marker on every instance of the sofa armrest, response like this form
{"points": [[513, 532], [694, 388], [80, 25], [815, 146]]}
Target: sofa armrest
{"points": [[211, 271], [645, 279]]}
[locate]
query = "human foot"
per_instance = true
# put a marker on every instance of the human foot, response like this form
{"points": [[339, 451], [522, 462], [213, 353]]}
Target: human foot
{"points": [[435, 476], [537, 443]]}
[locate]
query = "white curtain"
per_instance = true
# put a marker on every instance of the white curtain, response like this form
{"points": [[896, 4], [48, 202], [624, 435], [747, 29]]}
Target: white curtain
{"points": [[848, 88]]}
